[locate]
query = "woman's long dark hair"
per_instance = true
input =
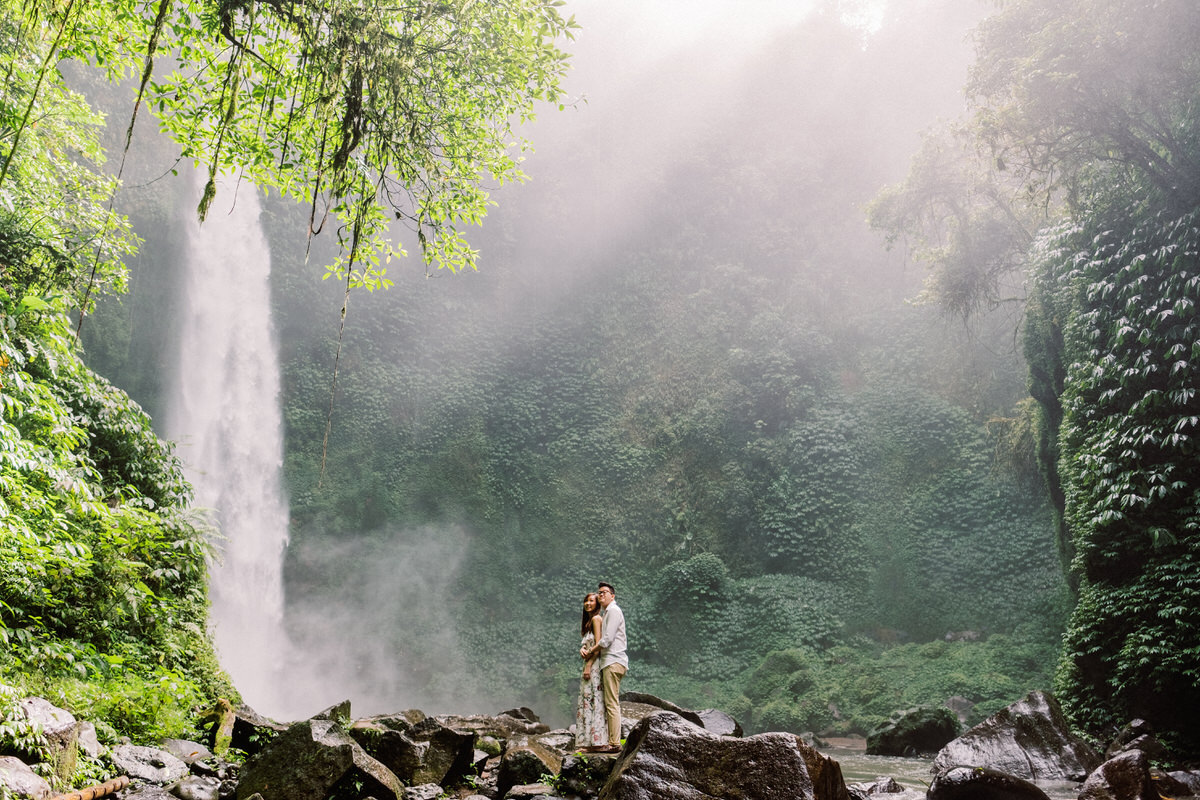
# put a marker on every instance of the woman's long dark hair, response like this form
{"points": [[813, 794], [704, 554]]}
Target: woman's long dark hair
{"points": [[586, 624]]}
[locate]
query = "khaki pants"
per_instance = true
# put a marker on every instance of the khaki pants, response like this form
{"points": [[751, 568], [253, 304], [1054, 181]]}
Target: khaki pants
{"points": [[610, 678]]}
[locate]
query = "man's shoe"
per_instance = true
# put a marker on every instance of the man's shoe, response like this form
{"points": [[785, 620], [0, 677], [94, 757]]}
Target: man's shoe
{"points": [[612, 748]]}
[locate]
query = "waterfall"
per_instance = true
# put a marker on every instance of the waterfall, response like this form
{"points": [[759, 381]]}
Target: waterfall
{"points": [[224, 411]]}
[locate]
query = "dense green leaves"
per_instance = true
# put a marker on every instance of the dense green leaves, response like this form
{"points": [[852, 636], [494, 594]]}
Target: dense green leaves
{"points": [[103, 574]]}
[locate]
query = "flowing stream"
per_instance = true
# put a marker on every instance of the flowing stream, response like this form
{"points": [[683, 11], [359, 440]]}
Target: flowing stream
{"points": [[225, 413]]}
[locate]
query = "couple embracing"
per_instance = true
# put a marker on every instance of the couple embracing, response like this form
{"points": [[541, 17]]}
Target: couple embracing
{"points": [[598, 713]]}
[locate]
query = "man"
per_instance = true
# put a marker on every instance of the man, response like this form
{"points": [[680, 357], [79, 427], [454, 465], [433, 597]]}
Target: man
{"points": [[613, 663]]}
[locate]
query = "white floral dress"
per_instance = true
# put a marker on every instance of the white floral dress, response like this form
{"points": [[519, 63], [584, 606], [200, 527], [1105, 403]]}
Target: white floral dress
{"points": [[590, 727]]}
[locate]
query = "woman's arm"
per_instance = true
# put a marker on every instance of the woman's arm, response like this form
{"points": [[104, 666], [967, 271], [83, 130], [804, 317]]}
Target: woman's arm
{"points": [[593, 655]]}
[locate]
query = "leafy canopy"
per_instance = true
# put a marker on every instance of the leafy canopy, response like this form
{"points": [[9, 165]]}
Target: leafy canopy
{"points": [[368, 112]]}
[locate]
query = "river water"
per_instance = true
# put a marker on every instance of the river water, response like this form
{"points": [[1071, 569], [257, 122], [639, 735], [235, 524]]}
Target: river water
{"points": [[911, 773]]}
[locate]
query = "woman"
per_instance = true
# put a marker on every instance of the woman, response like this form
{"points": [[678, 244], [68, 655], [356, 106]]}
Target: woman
{"points": [[591, 731]]}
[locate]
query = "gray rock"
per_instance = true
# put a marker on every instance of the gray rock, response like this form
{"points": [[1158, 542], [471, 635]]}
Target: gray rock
{"points": [[1137, 735], [89, 741], [668, 757], [720, 723], [540, 790], [981, 783], [147, 793], [641, 698], [526, 760], [913, 732], [584, 776], [424, 791], [1189, 778], [148, 764], [1126, 776], [61, 730], [1030, 739], [17, 778], [427, 752], [197, 787], [308, 760], [186, 751]]}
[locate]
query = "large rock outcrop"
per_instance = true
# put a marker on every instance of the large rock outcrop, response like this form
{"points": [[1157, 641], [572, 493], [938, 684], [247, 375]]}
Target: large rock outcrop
{"points": [[309, 761], [1125, 776], [922, 730], [981, 783], [1029, 739], [666, 756]]}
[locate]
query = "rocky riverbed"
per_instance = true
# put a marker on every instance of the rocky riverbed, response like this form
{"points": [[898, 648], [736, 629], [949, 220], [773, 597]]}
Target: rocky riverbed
{"points": [[1025, 752]]}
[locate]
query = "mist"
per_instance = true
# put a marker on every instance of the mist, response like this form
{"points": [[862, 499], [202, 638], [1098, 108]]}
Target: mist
{"points": [[704, 152]]}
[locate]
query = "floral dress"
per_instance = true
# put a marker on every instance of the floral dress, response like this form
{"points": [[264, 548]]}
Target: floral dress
{"points": [[590, 727]]}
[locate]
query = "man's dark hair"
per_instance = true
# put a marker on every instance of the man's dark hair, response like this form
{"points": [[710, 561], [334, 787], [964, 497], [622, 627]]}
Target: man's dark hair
{"points": [[608, 586]]}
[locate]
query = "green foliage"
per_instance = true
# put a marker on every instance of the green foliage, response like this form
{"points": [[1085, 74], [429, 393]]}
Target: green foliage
{"points": [[103, 578], [1128, 466]]}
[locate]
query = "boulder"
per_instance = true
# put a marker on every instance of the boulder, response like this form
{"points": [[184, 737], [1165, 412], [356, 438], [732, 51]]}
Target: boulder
{"points": [[667, 756], [499, 727], [643, 699], [584, 776], [252, 731], [423, 791], [526, 760], [17, 779], [719, 722], [148, 764], [981, 783], [961, 707], [147, 793], [1029, 739], [311, 760], [884, 786], [1189, 778], [89, 740], [1137, 735], [186, 751], [60, 729], [539, 790], [197, 787], [427, 752], [1124, 777], [922, 730]]}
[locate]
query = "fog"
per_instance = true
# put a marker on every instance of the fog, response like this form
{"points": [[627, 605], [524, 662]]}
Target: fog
{"points": [[673, 107], [779, 119]]}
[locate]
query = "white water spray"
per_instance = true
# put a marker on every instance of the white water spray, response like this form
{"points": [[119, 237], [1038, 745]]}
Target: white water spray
{"points": [[225, 413]]}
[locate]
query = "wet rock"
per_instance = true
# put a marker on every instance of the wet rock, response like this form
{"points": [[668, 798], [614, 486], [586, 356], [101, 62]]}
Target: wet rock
{"points": [[148, 793], [89, 741], [1189, 778], [148, 764], [1126, 776], [339, 713], [424, 791], [539, 790], [197, 787], [500, 727], [61, 730], [186, 751], [427, 752], [526, 760], [1168, 786], [917, 731], [1029, 739], [981, 783], [311, 760], [18, 779], [252, 731], [643, 699], [1137, 735], [720, 723], [667, 756], [584, 776]]}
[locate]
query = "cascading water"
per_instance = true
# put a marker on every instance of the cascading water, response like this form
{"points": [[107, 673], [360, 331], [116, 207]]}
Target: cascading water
{"points": [[225, 414]]}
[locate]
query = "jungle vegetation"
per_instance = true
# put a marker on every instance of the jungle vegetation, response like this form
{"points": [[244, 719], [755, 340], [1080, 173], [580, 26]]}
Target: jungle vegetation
{"points": [[819, 503]]}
